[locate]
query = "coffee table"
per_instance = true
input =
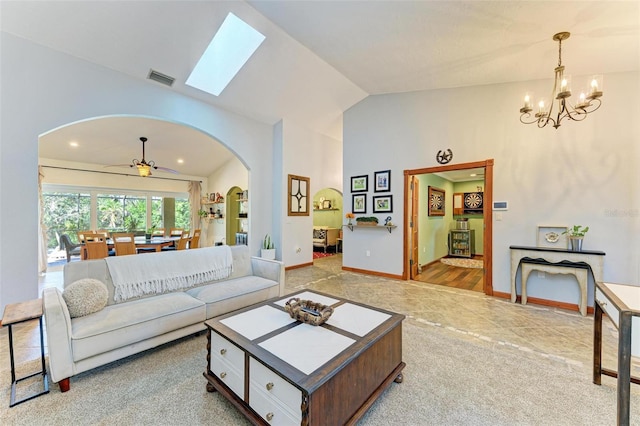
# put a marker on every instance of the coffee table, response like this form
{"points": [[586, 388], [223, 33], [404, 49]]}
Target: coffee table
{"points": [[279, 371]]}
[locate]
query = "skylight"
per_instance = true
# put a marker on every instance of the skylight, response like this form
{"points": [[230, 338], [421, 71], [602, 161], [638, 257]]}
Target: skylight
{"points": [[229, 50]]}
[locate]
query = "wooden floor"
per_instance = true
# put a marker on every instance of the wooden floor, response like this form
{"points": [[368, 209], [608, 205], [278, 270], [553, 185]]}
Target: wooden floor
{"points": [[453, 276]]}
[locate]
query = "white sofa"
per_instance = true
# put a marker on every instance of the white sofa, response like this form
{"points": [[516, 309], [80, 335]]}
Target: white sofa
{"points": [[123, 328]]}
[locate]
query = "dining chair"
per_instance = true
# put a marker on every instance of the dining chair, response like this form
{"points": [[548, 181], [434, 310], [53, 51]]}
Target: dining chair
{"points": [[81, 234], [158, 232], [124, 243], [176, 232], [96, 249], [70, 248], [181, 244], [103, 232], [93, 236], [195, 239]]}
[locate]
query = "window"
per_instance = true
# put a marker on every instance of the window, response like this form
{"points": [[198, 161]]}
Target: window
{"points": [[121, 212], [183, 213], [69, 210], [230, 48], [65, 213]]}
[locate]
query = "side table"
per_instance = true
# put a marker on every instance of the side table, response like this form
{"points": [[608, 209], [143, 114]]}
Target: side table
{"points": [[16, 313]]}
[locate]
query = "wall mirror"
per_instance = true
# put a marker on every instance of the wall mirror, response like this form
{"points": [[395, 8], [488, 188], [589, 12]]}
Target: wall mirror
{"points": [[298, 191]]}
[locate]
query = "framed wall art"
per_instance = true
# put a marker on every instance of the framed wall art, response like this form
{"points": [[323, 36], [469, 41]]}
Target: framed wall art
{"points": [[383, 204], [360, 183], [436, 201], [553, 237], [359, 203], [382, 181], [298, 195]]}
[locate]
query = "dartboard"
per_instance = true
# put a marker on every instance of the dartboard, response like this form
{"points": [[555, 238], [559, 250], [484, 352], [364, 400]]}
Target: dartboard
{"points": [[473, 200], [436, 201]]}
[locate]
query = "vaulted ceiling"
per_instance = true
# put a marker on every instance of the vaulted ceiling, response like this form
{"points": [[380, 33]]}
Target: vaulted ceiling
{"points": [[320, 58]]}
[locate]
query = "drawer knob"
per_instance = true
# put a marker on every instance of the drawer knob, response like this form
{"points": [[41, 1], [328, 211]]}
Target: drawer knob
{"points": [[269, 417], [269, 386], [223, 351], [223, 375]]}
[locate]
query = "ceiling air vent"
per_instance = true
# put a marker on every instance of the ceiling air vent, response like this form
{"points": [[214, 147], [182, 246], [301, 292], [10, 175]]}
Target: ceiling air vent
{"points": [[161, 78]]}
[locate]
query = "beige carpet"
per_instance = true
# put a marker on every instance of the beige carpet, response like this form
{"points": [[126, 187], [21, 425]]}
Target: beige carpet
{"points": [[462, 263], [444, 385]]}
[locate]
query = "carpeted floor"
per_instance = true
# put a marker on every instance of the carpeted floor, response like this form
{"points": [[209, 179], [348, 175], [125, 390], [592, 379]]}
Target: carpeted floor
{"points": [[443, 385]]}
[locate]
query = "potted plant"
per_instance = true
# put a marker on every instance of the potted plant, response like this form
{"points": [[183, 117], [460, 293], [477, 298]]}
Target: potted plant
{"points": [[149, 233], [367, 221], [576, 236], [268, 250]]}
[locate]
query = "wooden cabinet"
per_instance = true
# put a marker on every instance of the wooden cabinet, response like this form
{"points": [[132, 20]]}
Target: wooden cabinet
{"points": [[468, 203]]}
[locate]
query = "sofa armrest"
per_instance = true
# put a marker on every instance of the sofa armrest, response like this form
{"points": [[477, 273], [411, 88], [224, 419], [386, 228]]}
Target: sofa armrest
{"points": [[269, 269], [58, 326]]}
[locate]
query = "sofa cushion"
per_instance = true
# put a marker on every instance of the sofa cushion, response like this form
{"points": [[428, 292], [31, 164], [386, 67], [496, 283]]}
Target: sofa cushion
{"points": [[229, 289], [128, 323], [241, 261], [85, 296]]}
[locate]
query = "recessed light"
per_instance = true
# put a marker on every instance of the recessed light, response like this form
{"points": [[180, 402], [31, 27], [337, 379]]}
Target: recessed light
{"points": [[180, 161], [73, 144]]}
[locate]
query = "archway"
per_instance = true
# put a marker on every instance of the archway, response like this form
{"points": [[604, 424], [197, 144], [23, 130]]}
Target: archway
{"points": [[114, 140]]}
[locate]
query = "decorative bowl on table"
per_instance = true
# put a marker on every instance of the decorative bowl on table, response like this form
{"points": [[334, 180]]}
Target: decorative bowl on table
{"points": [[307, 311]]}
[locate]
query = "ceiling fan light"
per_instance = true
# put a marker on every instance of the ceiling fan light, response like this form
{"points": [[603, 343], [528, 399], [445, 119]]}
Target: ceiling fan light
{"points": [[144, 170]]}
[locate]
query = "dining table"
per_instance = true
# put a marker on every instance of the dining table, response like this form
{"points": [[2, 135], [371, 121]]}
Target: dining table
{"points": [[156, 243]]}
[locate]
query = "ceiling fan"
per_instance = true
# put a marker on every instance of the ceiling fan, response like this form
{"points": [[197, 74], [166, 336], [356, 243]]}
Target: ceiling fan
{"points": [[144, 167]]}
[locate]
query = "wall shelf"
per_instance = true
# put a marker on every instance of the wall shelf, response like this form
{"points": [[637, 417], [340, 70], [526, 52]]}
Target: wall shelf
{"points": [[325, 210], [387, 227]]}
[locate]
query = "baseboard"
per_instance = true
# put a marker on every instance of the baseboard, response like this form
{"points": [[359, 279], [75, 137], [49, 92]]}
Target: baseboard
{"points": [[302, 265], [376, 273], [544, 302]]}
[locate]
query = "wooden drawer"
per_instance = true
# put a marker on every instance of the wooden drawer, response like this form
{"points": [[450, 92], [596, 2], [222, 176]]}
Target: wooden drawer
{"points": [[223, 349], [270, 409], [227, 363], [268, 391], [606, 305], [231, 377]]}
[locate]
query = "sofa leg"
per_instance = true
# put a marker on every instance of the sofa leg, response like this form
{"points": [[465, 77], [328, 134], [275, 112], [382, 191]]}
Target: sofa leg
{"points": [[65, 385]]}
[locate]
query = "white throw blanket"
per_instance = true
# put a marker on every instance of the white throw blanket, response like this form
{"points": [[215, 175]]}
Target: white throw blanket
{"points": [[137, 275]]}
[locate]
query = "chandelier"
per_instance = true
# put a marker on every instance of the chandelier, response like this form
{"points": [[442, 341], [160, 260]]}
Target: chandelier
{"points": [[588, 102]]}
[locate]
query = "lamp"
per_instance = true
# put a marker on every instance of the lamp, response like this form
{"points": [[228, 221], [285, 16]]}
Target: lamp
{"points": [[588, 102], [144, 170]]}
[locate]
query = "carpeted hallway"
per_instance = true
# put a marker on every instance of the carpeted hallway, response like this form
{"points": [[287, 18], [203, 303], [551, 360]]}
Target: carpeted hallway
{"points": [[471, 359]]}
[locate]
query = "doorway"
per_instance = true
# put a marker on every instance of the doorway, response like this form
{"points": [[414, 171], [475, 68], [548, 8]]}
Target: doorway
{"points": [[413, 210]]}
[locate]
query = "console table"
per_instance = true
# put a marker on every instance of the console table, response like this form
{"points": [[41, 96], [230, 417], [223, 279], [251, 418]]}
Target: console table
{"points": [[621, 303], [556, 261]]}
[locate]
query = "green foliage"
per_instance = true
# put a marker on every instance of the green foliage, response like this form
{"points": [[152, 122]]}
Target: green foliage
{"points": [[367, 219], [267, 244], [576, 231]]}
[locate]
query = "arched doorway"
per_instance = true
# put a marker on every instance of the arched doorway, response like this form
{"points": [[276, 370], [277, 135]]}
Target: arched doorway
{"points": [[327, 222]]}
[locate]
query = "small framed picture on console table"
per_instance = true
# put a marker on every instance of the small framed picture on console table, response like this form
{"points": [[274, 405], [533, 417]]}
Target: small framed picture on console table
{"points": [[552, 237]]}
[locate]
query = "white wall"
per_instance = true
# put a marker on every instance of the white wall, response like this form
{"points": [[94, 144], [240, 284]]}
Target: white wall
{"points": [[233, 173], [42, 90], [309, 154], [581, 173]]}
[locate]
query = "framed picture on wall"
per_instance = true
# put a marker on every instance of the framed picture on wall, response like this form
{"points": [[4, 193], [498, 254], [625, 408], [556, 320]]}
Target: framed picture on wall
{"points": [[436, 201], [383, 204], [360, 183], [382, 181], [359, 203]]}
